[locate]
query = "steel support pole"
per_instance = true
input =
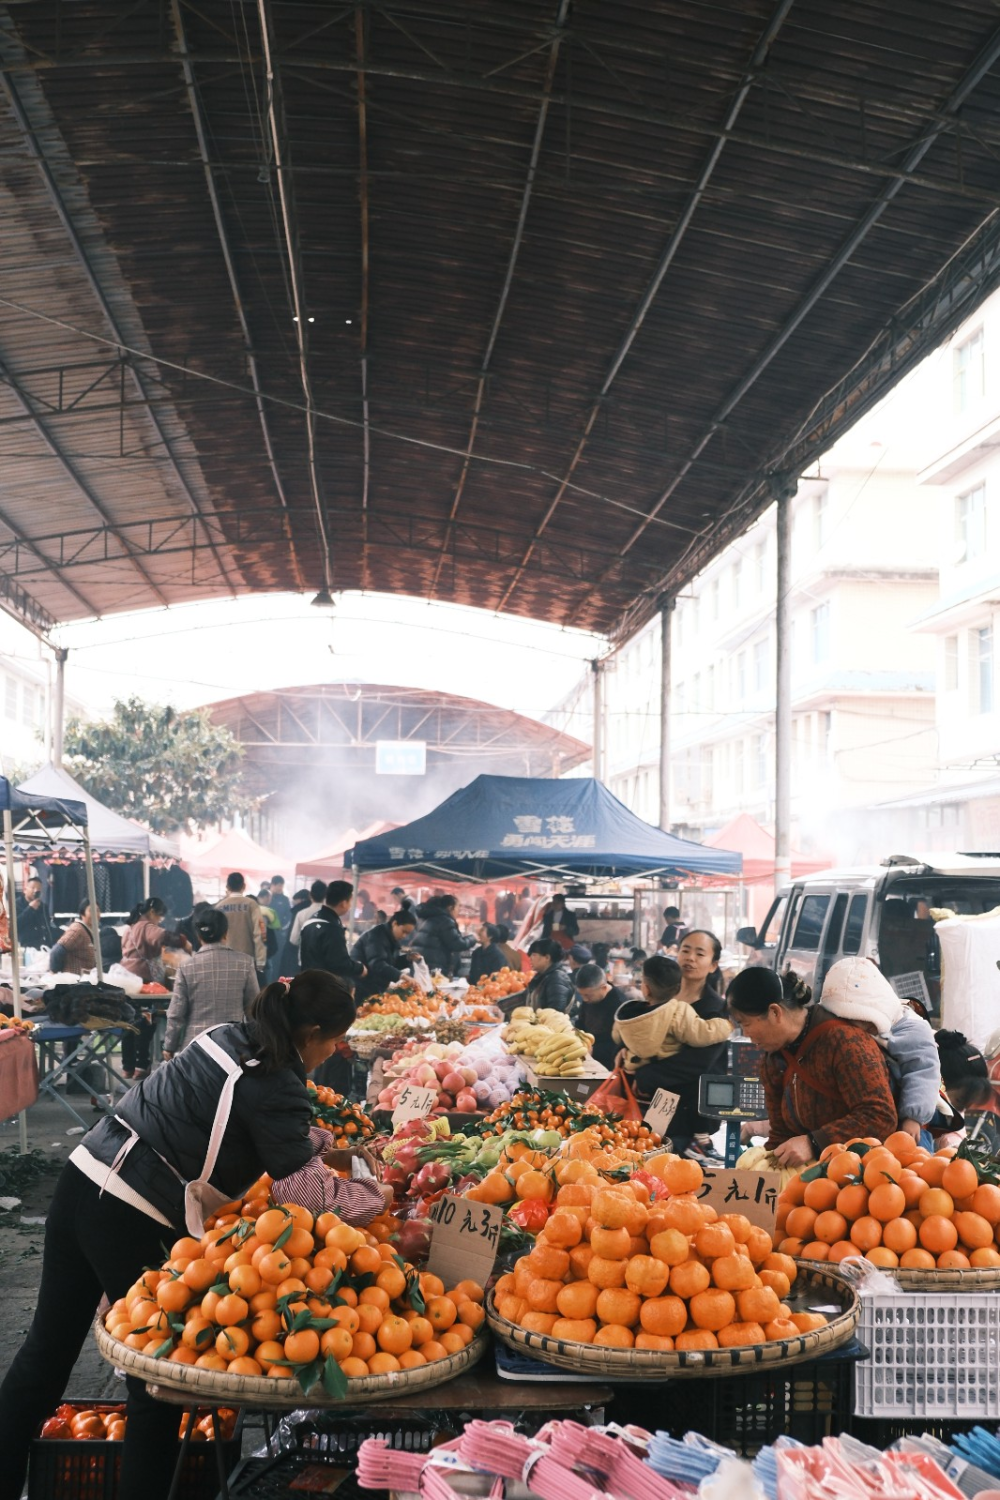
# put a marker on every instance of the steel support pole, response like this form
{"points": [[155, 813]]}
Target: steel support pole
{"points": [[15, 954], [597, 669], [666, 610], [59, 706], [95, 921], [783, 696]]}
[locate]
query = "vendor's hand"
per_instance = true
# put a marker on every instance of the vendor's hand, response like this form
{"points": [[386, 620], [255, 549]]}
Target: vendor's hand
{"points": [[750, 1128], [166, 1056], [796, 1152], [339, 1159], [387, 1197], [912, 1127], [619, 1058]]}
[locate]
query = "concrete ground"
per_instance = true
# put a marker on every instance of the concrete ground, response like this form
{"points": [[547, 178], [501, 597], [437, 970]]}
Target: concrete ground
{"points": [[21, 1234]]}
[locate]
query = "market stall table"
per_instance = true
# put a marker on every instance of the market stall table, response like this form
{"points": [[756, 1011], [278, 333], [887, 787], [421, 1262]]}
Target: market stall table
{"points": [[18, 1072], [90, 1047]]}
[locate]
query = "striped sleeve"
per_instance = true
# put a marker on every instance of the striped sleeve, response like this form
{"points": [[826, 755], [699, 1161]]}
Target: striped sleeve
{"points": [[319, 1190]]}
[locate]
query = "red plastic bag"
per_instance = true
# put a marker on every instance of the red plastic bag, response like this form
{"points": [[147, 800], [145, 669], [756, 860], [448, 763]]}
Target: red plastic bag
{"points": [[615, 1097]]}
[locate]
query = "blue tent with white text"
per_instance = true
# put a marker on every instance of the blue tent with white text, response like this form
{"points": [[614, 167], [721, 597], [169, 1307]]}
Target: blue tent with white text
{"points": [[510, 826]]}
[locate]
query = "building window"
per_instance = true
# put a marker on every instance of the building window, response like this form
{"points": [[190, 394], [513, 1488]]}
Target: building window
{"points": [[759, 666], [738, 766], [10, 698], [737, 583], [28, 706], [760, 564], [969, 371], [950, 663], [741, 676], [984, 644], [760, 759], [716, 591], [821, 632], [970, 524], [710, 689], [825, 733], [820, 513]]}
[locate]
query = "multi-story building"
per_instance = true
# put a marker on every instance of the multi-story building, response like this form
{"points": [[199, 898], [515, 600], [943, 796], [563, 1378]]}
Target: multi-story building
{"points": [[25, 700], [961, 629], [864, 566]]}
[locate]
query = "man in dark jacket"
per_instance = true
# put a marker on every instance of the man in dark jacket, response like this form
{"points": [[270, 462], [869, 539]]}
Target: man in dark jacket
{"points": [[551, 988], [595, 1009], [438, 937], [324, 941], [380, 950], [34, 930]]}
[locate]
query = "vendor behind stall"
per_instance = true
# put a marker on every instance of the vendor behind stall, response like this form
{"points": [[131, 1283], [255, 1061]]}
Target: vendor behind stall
{"points": [[489, 958], [824, 1080], [141, 948], [380, 951], [121, 1199], [598, 1002]]}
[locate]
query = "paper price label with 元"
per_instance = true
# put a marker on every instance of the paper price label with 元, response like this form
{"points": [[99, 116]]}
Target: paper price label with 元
{"points": [[735, 1190], [413, 1104], [662, 1110], [464, 1240]]}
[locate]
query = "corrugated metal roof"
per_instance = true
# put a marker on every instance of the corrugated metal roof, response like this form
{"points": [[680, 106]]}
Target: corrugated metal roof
{"points": [[580, 278]]}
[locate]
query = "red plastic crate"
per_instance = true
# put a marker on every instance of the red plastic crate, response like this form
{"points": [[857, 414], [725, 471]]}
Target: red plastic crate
{"points": [[61, 1469]]}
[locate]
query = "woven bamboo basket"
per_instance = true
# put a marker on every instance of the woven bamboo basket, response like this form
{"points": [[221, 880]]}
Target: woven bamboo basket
{"points": [[208, 1386], [977, 1279], [654, 1364]]}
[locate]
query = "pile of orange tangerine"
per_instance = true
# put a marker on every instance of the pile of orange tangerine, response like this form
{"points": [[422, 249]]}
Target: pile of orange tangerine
{"points": [[283, 1294], [613, 1268], [896, 1204]]}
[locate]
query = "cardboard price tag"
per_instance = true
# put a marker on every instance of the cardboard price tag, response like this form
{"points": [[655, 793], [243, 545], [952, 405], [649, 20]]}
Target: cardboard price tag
{"points": [[464, 1240], [734, 1190], [662, 1110], [413, 1104]]}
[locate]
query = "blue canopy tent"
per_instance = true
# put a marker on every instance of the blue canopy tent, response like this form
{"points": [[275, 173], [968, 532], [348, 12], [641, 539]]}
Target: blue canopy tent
{"points": [[31, 821], [503, 826]]}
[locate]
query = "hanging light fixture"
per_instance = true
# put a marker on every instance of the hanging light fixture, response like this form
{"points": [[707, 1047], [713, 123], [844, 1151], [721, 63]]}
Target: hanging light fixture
{"points": [[324, 599]]}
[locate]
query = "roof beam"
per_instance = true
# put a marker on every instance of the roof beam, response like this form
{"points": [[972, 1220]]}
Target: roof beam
{"points": [[197, 113], [55, 197], [914, 156], [25, 610], [910, 335], [361, 46], [536, 151], [757, 59], [279, 146]]}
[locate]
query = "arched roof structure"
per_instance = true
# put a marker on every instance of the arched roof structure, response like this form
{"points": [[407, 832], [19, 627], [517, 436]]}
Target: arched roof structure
{"points": [[526, 305]]}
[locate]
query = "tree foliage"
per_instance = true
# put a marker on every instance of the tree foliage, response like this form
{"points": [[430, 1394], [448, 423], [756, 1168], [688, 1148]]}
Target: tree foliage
{"points": [[172, 770]]}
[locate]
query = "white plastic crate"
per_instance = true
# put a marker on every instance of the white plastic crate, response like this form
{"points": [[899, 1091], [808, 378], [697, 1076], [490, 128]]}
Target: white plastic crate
{"points": [[933, 1354]]}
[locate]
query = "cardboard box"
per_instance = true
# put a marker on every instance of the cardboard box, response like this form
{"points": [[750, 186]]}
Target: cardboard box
{"points": [[578, 1089]]}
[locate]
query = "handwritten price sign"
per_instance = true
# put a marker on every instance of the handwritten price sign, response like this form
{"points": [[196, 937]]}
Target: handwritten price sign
{"points": [[413, 1104], [737, 1191], [662, 1110], [464, 1240]]}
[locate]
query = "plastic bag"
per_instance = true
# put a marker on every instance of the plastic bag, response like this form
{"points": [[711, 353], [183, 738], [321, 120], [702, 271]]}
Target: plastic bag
{"points": [[615, 1097], [124, 979]]}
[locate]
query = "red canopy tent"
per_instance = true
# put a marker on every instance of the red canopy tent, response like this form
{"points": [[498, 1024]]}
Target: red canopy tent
{"points": [[235, 850], [328, 864], [756, 845]]}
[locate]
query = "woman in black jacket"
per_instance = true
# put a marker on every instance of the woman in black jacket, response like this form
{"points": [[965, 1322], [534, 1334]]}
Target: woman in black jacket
{"points": [[120, 1202], [438, 937], [551, 987], [489, 957], [380, 950]]}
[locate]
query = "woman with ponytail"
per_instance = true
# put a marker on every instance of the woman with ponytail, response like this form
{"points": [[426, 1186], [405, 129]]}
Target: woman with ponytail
{"points": [[141, 946], [135, 1183]]}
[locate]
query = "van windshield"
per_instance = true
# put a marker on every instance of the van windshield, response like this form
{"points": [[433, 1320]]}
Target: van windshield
{"points": [[910, 909]]}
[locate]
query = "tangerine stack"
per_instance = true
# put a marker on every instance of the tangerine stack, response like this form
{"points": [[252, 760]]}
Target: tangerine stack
{"points": [[615, 1269], [896, 1204]]}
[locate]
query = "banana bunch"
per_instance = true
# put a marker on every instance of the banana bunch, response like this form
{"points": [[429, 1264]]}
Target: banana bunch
{"points": [[548, 1038]]}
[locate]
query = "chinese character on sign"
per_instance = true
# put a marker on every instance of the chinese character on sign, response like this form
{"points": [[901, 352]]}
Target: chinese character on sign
{"points": [[528, 825], [735, 1194], [397, 853], [560, 825], [414, 854]]}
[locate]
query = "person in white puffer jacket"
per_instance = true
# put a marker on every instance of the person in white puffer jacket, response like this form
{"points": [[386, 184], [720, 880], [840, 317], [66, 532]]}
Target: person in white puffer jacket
{"points": [[856, 991]]}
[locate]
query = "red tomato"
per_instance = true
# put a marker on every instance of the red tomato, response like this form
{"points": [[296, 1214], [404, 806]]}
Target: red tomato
{"points": [[56, 1427]]}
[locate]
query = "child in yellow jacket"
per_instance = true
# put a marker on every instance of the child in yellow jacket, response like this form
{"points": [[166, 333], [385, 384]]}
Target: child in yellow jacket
{"points": [[659, 1025]]}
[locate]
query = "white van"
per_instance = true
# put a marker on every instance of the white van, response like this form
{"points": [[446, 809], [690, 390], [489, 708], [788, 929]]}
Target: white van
{"points": [[882, 912]]}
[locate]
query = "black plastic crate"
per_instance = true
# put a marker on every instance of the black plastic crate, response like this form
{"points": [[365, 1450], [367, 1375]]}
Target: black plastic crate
{"points": [[338, 1437], [71, 1469], [748, 1411], [310, 1473], [882, 1432]]}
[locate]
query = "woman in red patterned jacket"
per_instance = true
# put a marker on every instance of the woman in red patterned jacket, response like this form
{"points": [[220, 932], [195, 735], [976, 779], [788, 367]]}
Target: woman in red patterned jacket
{"points": [[824, 1079]]}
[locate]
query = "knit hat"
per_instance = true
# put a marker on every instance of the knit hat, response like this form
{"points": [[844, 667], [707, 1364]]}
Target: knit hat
{"points": [[752, 990], [855, 990], [960, 1060]]}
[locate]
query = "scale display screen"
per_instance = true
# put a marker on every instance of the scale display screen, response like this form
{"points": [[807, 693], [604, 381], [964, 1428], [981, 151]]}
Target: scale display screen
{"points": [[732, 1096]]}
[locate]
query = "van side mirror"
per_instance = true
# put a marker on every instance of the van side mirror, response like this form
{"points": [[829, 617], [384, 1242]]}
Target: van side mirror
{"points": [[748, 936]]}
